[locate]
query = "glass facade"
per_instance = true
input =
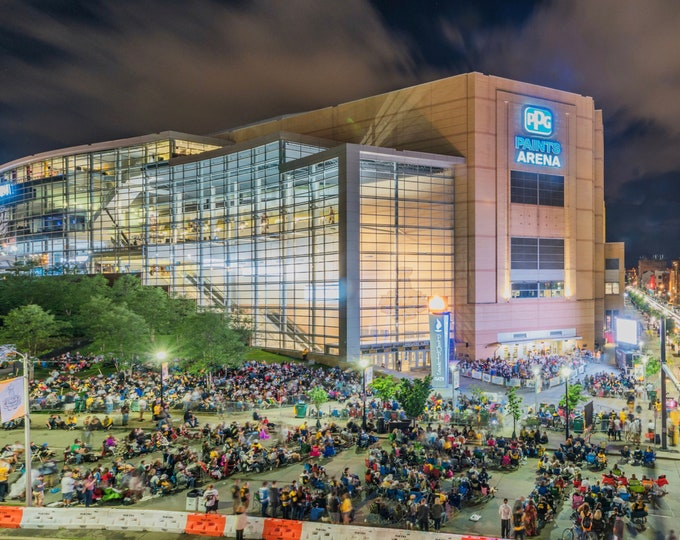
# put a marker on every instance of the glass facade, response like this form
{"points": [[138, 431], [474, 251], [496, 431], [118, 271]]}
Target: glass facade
{"points": [[406, 257], [257, 229]]}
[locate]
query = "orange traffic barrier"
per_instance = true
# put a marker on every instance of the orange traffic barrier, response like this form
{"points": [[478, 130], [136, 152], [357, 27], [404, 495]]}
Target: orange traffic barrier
{"points": [[281, 529], [10, 517], [206, 524]]}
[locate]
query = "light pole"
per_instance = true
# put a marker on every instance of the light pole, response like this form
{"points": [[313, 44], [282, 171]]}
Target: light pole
{"points": [[27, 430], [364, 365], [160, 355], [566, 373]]}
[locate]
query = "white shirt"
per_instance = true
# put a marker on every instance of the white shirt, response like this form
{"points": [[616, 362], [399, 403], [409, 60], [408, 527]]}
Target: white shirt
{"points": [[505, 511]]}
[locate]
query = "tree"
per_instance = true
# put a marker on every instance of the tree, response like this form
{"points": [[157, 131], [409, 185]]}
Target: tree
{"points": [[515, 408], [116, 330], [413, 394], [30, 328], [653, 366], [208, 342], [385, 388], [317, 396], [575, 397]]}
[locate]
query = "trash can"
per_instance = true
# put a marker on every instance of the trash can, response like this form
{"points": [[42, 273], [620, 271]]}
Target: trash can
{"points": [[578, 424], [193, 497], [381, 426], [300, 410]]}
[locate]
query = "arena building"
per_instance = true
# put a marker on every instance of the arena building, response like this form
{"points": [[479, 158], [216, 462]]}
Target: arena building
{"points": [[330, 229]]}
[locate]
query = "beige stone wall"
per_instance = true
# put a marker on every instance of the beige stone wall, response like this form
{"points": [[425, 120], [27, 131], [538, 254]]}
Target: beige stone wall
{"points": [[475, 116]]}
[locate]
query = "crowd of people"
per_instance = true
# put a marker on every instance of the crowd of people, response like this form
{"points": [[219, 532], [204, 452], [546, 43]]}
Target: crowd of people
{"points": [[546, 366], [252, 385]]}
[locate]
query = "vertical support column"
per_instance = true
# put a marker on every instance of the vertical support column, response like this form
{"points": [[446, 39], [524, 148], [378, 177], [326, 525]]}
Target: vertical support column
{"points": [[349, 261]]}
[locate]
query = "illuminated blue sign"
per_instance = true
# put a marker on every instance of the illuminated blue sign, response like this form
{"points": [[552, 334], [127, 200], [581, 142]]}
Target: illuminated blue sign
{"points": [[538, 121], [5, 190], [440, 343]]}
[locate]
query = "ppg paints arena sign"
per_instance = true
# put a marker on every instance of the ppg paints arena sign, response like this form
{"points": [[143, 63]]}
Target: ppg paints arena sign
{"points": [[537, 121]]}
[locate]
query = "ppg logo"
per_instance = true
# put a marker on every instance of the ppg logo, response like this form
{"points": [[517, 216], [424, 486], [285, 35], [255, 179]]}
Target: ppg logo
{"points": [[538, 121]]}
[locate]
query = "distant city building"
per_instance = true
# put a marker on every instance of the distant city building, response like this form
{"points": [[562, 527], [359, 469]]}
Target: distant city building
{"points": [[330, 229]]}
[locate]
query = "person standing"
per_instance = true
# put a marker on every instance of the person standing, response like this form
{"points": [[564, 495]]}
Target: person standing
{"points": [[346, 509], [236, 494], [437, 512], [518, 521], [263, 494], [619, 527], [423, 515], [141, 403], [68, 488], [4, 479], [505, 513], [125, 413], [211, 498], [274, 500], [241, 521], [333, 505], [38, 488], [88, 489]]}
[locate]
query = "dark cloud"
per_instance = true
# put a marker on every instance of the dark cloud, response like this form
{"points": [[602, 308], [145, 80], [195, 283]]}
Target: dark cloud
{"points": [[77, 71], [189, 66]]}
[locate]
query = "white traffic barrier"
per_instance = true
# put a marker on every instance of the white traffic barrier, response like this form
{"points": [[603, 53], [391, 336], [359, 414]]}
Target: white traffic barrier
{"points": [[314, 530], [162, 521], [124, 520], [43, 518], [87, 518], [253, 529]]}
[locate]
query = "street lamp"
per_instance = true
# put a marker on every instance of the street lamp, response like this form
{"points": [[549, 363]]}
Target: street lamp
{"points": [[566, 373], [364, 366], [27, 429], [160, 355]]}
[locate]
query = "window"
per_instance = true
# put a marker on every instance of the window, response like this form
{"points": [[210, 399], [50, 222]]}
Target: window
{"points": [[536, 289], [534, 188], [611, 287], [611, 264], [537, 253]]}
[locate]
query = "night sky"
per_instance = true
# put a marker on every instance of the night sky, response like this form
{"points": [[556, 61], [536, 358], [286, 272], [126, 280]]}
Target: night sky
{"points": [[74, 72]]}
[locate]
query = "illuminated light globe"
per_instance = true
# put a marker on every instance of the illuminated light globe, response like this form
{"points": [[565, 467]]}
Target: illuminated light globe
{"points": [[437, 304]]}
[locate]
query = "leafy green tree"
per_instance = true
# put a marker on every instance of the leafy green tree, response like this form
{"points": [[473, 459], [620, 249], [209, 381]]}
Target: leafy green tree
{"points": [[653, 366], [412, 395], [208, 342], [317, 396], [116, 330], [385, 388], [515, 408], [30, 328], [575, 397]]}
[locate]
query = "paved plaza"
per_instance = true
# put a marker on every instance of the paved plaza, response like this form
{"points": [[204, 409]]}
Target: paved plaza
{"points": [[508, 484]]}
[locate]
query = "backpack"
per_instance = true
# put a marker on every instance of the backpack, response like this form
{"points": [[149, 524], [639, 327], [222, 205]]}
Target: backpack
{"points": [[587, 522]]}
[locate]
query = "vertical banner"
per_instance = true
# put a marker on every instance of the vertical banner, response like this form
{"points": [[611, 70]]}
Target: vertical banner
{"points": [[164, 371], [440, 342], [12, 399], [456, 377], [368, 373]]}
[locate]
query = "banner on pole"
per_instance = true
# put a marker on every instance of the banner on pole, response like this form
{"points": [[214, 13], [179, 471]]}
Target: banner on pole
{"points": [[12, 399]]}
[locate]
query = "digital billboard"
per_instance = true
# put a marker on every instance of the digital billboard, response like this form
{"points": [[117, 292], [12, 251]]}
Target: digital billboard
{"points": [[626, 331]]}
